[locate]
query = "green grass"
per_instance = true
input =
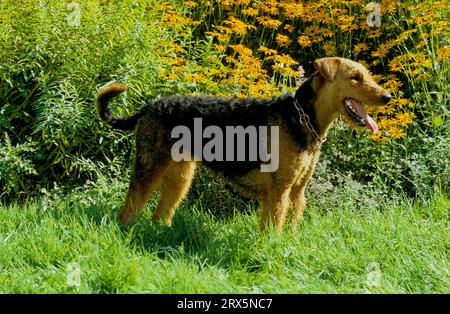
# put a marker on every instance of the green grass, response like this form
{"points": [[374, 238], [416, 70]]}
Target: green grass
{"points": [[397, 248]]}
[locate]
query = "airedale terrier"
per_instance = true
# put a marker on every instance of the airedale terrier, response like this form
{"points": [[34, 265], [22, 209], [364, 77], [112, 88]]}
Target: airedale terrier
{"points": [[339, 87]]}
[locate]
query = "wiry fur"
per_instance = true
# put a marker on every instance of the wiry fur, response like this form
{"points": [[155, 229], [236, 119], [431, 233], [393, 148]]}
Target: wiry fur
{"points": [[281, 192]]}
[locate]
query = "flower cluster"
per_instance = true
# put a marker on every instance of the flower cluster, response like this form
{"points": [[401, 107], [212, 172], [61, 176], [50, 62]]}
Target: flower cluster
{"points": [[257, 46]]}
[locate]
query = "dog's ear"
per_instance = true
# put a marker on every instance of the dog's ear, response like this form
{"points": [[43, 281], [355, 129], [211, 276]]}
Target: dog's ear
{"points": [[327, 67]]}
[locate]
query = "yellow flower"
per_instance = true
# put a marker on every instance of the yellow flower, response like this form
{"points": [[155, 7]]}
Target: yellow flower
{"points": [[312, 31], [304, 41], [376, 62], [226, 4], [267, 51], [250, 12], [176, 47], [373, 34], [424, 36], [444, 53], [292, 10], [165, 5], [395, 65], [380, 110], [405, 35], [383, 123], [405, 117], [231, 60], [176, 60], [194, 77], [190, 4], [381, 52], [268, 22], [412, 72], [169, 77], [396, 132], [338, 11], [242, 49], [221, 37], [242, 2], [345, 23], [289, 28], [283, 40], [423, 76], [219, 48], [421, 44], [400, 102], [420, 19], [360, 47], [268, 6], [377, 136], [392, 84], [385, 110], [285, 59], [283, 65], [237, 26], [330, 49], [224, 29], [420, 59], [389, 6], [326, 32]]}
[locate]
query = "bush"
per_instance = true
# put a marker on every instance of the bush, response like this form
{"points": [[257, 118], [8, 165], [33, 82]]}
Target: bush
{"points": [[15, 167], [50, 67], [49, 76]]}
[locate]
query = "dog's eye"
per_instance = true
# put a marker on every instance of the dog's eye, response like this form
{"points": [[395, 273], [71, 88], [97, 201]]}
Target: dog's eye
{"points": [[356, 77]]}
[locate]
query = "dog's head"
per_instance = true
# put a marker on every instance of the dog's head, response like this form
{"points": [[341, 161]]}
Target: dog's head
{"points": [[346, 87]]}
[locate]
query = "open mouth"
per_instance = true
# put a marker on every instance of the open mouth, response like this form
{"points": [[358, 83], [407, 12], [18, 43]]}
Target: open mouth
{"points": [[358, 114]]}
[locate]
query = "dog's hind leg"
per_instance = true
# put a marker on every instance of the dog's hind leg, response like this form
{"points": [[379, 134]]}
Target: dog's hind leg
{"points": [[152, 161], [176, 183]]}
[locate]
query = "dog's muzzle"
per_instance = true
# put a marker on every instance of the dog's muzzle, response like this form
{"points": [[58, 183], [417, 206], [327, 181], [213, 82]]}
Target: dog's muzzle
{"points": [[358, 114], [386, 98]]}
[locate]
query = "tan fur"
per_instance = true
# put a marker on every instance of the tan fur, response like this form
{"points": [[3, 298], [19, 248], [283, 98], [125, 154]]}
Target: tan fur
{"points": [[175, 185], [282, 193]]}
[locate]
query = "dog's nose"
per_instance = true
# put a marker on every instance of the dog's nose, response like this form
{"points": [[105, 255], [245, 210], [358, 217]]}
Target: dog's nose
{"points": [[386, 98]]}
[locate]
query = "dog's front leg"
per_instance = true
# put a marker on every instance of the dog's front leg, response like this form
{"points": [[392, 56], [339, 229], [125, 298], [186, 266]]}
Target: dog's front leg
{"points": [[298, 203], [297, 194], [275, 205]]}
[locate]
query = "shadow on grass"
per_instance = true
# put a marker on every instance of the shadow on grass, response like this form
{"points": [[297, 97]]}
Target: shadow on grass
{"points": [[219, 231], [213, 225], [201, 236]]}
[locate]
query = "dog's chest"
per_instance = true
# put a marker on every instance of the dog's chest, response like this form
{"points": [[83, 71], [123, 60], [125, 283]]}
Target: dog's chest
{"points": [[300, 167]]}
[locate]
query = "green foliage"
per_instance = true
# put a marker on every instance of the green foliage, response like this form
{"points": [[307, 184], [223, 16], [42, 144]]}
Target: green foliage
{"points": [[50, 70], [416, 165], [14, 165], [49, 76]]}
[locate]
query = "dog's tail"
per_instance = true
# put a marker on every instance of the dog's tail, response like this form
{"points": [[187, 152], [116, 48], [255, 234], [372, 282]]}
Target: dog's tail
{"points": [[104, 95]]}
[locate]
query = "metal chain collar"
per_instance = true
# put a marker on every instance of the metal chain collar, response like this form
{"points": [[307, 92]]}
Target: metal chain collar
{"points": [[305, 121]]}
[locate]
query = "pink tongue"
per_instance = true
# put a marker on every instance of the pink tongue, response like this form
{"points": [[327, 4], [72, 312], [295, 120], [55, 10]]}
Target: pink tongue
{"points": [[371, 124]]}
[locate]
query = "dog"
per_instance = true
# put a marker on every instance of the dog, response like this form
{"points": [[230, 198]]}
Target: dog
{"points": [[338, 87]]}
